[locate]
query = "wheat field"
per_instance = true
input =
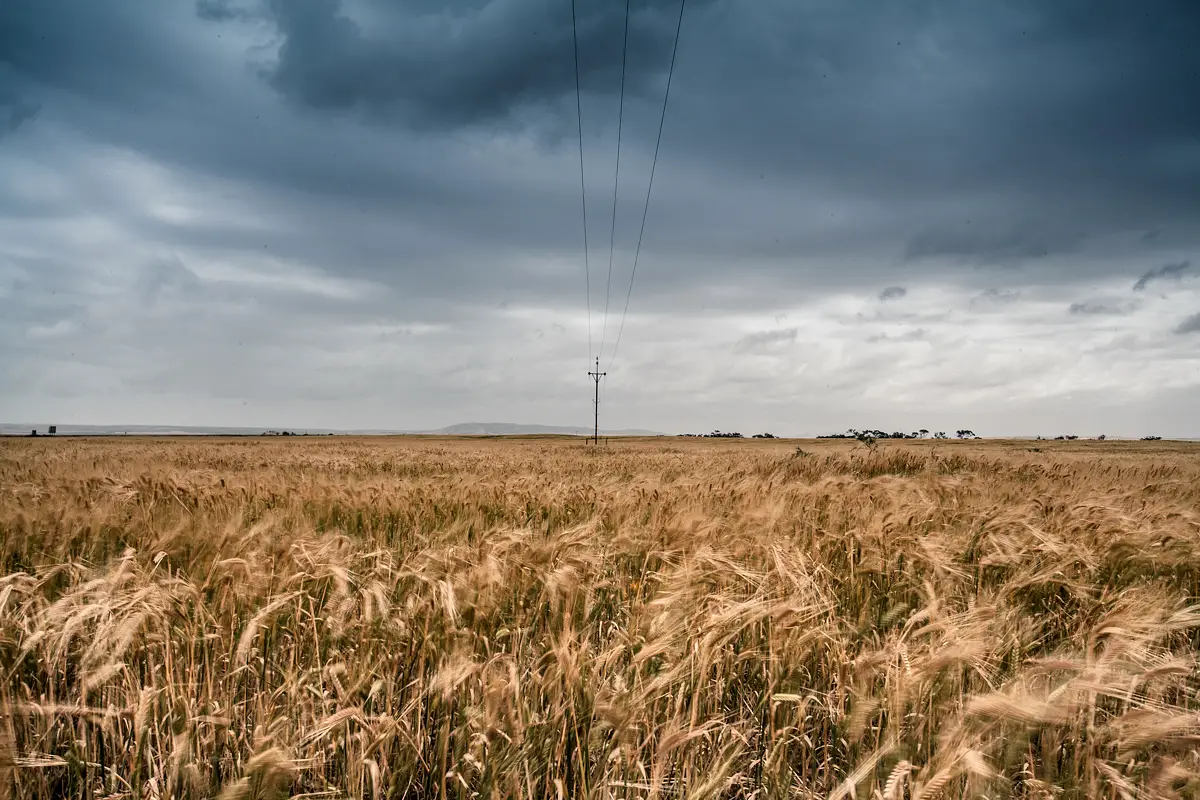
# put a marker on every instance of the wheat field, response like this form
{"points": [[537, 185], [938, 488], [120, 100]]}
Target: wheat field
{"points": [[327, 617]]}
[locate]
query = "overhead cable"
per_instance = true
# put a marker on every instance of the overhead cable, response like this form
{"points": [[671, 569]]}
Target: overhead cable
{"points": [[653, 164]]}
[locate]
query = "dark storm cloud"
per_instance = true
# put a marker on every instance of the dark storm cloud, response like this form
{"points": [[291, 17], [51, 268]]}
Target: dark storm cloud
{"points": [[119, 53], [892, 293], [1166, 271], [980, 133], [451, 64], [1020, 110]]}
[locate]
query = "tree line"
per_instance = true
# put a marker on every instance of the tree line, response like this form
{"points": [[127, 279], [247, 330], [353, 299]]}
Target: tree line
{"points": [[871, 435], [728, 435], [868, 433]]}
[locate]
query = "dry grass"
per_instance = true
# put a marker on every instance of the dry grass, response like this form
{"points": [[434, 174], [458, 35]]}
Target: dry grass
{"points": [[421, 618]]}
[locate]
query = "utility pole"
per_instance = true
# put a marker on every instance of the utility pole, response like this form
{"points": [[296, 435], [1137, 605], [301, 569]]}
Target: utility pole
{"points": [[596, 376]]}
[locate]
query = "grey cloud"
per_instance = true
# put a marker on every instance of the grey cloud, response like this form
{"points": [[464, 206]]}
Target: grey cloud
{"points": [[165, 276], [15, 109], [502, 59], [414, 166], [893, 316], [766, 340], [1101, 309], [984, 242], [995, 296], [492, 59], [914, 335], [1189, 325], [14, 114], [725, 124], [66, 45], [1165, 272], [226, 11], [892, 293]]}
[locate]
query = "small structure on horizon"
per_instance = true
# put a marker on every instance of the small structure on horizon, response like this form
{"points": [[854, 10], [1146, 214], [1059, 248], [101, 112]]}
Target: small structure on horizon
{"points": [[53, 429]]}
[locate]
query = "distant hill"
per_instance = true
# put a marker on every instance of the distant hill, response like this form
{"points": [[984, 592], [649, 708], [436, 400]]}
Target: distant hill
{"points": [[515, 429], [463, 429], [10, 429]]}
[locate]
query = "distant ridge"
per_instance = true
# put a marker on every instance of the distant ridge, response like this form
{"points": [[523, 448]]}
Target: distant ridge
{"points": [[515, 429], [10, 429], [462, 429]]}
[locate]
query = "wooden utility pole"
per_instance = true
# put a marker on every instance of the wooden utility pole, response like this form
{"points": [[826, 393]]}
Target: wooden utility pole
{"points": [[596, 376]]}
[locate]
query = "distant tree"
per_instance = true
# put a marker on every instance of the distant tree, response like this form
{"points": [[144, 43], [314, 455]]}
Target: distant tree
{"points": [[868, 438], [965, 434], [1151, 438], [940, 435], [923, 433], [1100, 438]]}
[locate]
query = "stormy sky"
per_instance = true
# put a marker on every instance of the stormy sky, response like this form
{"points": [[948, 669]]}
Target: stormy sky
{"points": [[366, 213]]}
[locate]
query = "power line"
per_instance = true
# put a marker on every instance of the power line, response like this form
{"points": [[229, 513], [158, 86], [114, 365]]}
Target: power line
{"points": [[612, 235], [587, 276], [653, 164]]}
